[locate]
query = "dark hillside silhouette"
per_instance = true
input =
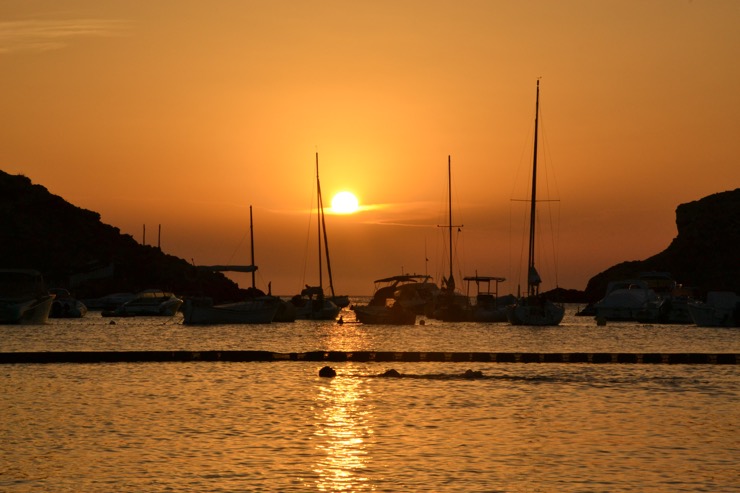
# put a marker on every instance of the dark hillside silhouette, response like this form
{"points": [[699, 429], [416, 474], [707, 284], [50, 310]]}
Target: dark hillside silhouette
{"points": [[72, 248]]}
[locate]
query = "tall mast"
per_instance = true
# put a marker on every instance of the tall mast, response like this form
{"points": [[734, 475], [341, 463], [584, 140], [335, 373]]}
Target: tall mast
{"points": [[326, 239], [318, 213], [532, 272], [451, 279], [251, 241], [449, 198]]}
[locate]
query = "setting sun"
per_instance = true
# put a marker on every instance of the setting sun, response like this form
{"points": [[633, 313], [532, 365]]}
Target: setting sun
{"points": [[345, 203]]}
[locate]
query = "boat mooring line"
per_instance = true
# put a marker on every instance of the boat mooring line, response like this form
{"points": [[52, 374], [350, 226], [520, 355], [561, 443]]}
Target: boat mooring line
{"points": [[367, 357]]}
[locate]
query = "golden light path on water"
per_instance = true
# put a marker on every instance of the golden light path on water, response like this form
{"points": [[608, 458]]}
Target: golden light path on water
{"points": [[342, 433]]}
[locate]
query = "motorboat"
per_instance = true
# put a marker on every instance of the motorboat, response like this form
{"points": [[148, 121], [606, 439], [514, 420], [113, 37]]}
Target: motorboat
{"points": [[65, 305], [387, 306], [204, 312], [534, 309], [24, 299], [624, 300], [722, 309], [150, 302], [651, 297], [415, 292], [488, 307], [389, 313]]}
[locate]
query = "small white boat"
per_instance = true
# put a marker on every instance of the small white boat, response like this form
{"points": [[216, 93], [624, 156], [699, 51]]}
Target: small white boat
{"points": [[203, 312], [722, 309], [150, 302], [24, 299], [624, 300], [65, 305]]}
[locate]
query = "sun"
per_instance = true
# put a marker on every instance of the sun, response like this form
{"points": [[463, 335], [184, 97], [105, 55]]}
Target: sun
{"points": [[345, 203]]}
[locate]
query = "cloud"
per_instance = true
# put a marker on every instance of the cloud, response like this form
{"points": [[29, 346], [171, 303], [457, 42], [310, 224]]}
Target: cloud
{"points": [[47, 35]]}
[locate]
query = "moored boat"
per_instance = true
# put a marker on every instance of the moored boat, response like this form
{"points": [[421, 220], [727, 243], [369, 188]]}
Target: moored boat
{"points": [[24, 299], [624, 299], [204, 312], [386, 306], [312, 303], [65, 305], [450, 305], [150, 302], [488, 307], [722, 309]]}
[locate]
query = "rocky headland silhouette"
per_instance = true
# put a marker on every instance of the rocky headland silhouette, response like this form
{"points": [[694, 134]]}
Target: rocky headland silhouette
{"points": [[72, 248], [704, 256]]}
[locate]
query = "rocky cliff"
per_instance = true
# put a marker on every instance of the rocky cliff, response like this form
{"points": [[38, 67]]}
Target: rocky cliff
{"points": [[704, 256], [72, 248]]}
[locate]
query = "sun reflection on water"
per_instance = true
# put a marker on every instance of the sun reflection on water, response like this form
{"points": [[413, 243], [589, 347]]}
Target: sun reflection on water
{"points": [[343, 434]]}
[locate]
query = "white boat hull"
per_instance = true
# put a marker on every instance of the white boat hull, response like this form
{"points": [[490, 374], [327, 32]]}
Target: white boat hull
{"points": [[27, 312]]}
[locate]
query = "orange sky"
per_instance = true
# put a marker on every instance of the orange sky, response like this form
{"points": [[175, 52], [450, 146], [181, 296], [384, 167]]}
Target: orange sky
{"points": [[185, 113]]}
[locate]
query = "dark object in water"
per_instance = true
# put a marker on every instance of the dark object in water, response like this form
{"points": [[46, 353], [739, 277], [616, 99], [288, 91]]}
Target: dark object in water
{"points": [[473, 374], [391, 374], [327, 372]]}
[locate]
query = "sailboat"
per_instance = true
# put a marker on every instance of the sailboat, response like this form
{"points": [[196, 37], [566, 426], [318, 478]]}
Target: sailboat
{"points": [[258, 308], [311, 303], [286, 312], [533, 309], [451, 305], [340, 300]]}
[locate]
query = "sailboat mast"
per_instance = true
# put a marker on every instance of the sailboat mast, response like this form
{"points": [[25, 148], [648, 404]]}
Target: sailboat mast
{"points": [[318, 214], [533, 205], [251, 241], [449, 198], [326, 243]]}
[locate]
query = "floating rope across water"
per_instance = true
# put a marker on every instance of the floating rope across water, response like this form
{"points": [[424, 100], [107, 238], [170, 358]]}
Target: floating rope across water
{"points": [[367, 357]]}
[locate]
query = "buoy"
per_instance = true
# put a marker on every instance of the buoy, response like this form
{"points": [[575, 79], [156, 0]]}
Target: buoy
{"points": [[327, 372], [422, 322], [112, 322]]}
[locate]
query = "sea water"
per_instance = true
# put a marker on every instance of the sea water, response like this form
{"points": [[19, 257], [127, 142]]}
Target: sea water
{"points": [[278, 426]]}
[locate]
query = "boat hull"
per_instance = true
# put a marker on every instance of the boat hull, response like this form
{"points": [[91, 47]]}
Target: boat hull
{"points": [[382, 315], [27, 312], [247, 312], [315, 309], [68, 308], [535, 312], [721, 310], [151, 303]]}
